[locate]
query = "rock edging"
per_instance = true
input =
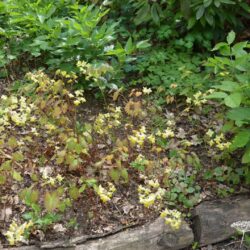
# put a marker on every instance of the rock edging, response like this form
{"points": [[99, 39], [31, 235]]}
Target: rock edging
{"points": [[211, 224], [155, 235]]}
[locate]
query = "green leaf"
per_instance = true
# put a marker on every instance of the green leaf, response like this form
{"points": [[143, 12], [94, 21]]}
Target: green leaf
{"points": [[154, 13], [17, 176], [241, 139], [239, 114], [51, 201], [143, 14], [12, 142], [190, 190], [208, 175], [191, 22], [217, 3], [129, 46], [6, 165], [227, 86], [207, 3], [200, 12], [246, 156], [224, 48], [74, 193], [91, 182], [29, 196], [233, 100], [41, 18], [219, 45], [238, 49], [143, 44], [72, 143], [115, 175], [217, 95], [230, 37], [124, 175], [227, 1], [2, 179], [18, 156], [209, 19]]}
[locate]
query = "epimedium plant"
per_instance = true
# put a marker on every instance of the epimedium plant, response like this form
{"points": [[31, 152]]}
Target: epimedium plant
{"points": [[171, 73], [57, 160], [232, 69]]}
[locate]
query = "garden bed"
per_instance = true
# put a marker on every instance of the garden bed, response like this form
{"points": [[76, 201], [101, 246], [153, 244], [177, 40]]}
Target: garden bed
{"points": [[71, 166]]}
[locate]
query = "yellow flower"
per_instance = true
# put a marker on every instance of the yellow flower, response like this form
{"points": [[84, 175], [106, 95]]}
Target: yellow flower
{"points": [[77, 102], [188, 100], [143, 129], [146, 91], [153, 183], [4, 97], [59, 178], [148, 201], [172, 218], [173, 86], [151, 139], [104, 194], [159, 133], [168, 133], [210, 133], [197, 95], [71, 95], [211, 143], [15, 233]]}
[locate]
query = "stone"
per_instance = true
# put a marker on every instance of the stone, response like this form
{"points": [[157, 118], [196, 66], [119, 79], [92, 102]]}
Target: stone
{"points": [[212, 219], [156, 236], [152, 236]]}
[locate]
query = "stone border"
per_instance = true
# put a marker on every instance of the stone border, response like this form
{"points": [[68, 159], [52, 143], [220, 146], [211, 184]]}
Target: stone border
{"points": [[211, 224], [155, 235]]}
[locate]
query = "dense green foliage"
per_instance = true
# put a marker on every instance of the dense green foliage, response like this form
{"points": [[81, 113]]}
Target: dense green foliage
{"points": [[233, 89]]}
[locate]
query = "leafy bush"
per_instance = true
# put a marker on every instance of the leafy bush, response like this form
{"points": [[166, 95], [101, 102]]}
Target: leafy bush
{"points": [[232, 68], [187, 23], [171, 73], [56, 34]]}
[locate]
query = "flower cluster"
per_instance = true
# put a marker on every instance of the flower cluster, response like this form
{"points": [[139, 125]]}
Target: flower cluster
{"points": [[172, 218], [146, 91], [78, 97], [167, 133], [105, 194], [217, 140], [151, 193], [70, 76], [104, 122], [38, 77], [16, 233], [16, 110], [199, 98], [93, 71], [139, 136]]}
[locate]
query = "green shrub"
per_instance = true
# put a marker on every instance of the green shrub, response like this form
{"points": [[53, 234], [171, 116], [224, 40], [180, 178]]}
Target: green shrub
{"points": [[171, 73], [54, 35], [232, 68], [184, 24]]}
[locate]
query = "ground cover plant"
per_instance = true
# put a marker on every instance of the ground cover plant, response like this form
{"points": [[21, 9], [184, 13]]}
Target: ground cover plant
{"points": [[113, 114], [54, 156]]}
